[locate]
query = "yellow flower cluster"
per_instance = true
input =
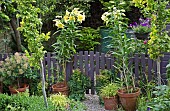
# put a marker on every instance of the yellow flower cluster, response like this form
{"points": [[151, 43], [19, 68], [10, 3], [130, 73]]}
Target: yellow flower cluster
{"points": [[14, 65], [74, 16], [115, 13]]}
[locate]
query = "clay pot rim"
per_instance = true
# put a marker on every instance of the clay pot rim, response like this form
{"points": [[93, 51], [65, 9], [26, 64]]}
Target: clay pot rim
{"points": [[65, 86], [122, 93], [111, 97], [22, 86]]}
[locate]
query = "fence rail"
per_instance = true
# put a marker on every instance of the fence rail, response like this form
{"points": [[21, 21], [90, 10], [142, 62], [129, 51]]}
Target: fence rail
{"points": [[91, 64]]}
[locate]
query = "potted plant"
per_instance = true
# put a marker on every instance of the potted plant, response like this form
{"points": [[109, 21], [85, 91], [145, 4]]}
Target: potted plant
{"points": [[65, 42], [14, 70], [141, 29], [109, 94], [122, 48], [105, 77], [78, 84]]}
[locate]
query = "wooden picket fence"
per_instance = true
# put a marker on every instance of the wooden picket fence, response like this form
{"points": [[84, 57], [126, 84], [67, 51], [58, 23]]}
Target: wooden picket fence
{"points": [[91, 63]]}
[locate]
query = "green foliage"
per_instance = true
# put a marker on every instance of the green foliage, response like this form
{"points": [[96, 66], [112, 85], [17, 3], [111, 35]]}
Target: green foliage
{"points": [[109, 90], [23, 103], [103, 79], [39, 88], [159, 40], [78, 84], [29, 26], [88, 40], [161, 100], [108, 3], [62, 103]]}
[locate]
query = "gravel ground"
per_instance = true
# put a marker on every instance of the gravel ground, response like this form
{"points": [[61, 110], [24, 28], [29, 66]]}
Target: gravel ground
{"points": [[92, 103]]}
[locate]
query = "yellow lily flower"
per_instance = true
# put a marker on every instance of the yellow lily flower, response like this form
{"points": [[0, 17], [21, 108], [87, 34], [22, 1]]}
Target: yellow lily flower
{"points": [[66, 18], [59, 24], [81, 17], [72, 18], [67, 12]]}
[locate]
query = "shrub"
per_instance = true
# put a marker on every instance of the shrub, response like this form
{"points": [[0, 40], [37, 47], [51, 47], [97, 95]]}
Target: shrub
{"points": [[23, 103], [78, 84]]}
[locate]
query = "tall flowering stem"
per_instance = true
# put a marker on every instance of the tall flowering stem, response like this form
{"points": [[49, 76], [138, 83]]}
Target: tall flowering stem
{"points": [[68, 32], [121, 46]]}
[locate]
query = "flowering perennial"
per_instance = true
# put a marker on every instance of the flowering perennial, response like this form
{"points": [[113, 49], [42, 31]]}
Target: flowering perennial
{"points": [[74, 16], [142, 27], [15, 65]]}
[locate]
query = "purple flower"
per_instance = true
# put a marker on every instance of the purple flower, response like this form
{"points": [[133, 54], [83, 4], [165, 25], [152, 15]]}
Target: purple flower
{"points": [[144, 24], [148, 109]]}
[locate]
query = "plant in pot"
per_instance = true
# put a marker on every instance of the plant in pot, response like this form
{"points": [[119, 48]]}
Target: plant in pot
{"points": [[122, 49], [141, 29], [78, 84], [14, 70], [65, 42], [105, 77], [109, 94]]}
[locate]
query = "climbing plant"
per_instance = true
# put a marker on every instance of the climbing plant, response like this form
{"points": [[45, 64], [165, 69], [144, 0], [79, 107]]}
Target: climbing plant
{"points": [[159, 40]]}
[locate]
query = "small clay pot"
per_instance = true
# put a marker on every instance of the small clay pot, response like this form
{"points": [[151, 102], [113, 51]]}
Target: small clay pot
{"points": [[61, 87], [110, 103], [22, 88]]}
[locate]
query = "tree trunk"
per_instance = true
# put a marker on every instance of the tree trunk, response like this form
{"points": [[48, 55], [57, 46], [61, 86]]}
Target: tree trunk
{"points": [[158, 71], [16, 32], [43, 84]]}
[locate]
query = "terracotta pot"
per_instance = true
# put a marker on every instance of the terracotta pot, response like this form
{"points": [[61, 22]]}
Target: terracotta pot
{"points": [[22, 88], [110, 103], [1, 88], [142, 36], [61, 87], [128, 100]]}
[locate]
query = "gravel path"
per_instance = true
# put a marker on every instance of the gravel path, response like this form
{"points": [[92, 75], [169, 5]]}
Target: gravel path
{"points": [[92, 103]]}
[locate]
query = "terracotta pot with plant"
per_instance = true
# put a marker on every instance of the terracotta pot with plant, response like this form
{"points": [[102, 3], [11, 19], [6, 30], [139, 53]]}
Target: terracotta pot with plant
{"points": [[14, 70], [122, 48], [65, 42], [109, 94]]}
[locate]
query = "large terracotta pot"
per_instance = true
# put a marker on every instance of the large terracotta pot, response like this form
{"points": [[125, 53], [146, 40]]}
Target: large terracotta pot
{"points": [[110, 103], [22, 88], [128, 100], [61, 87]]}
